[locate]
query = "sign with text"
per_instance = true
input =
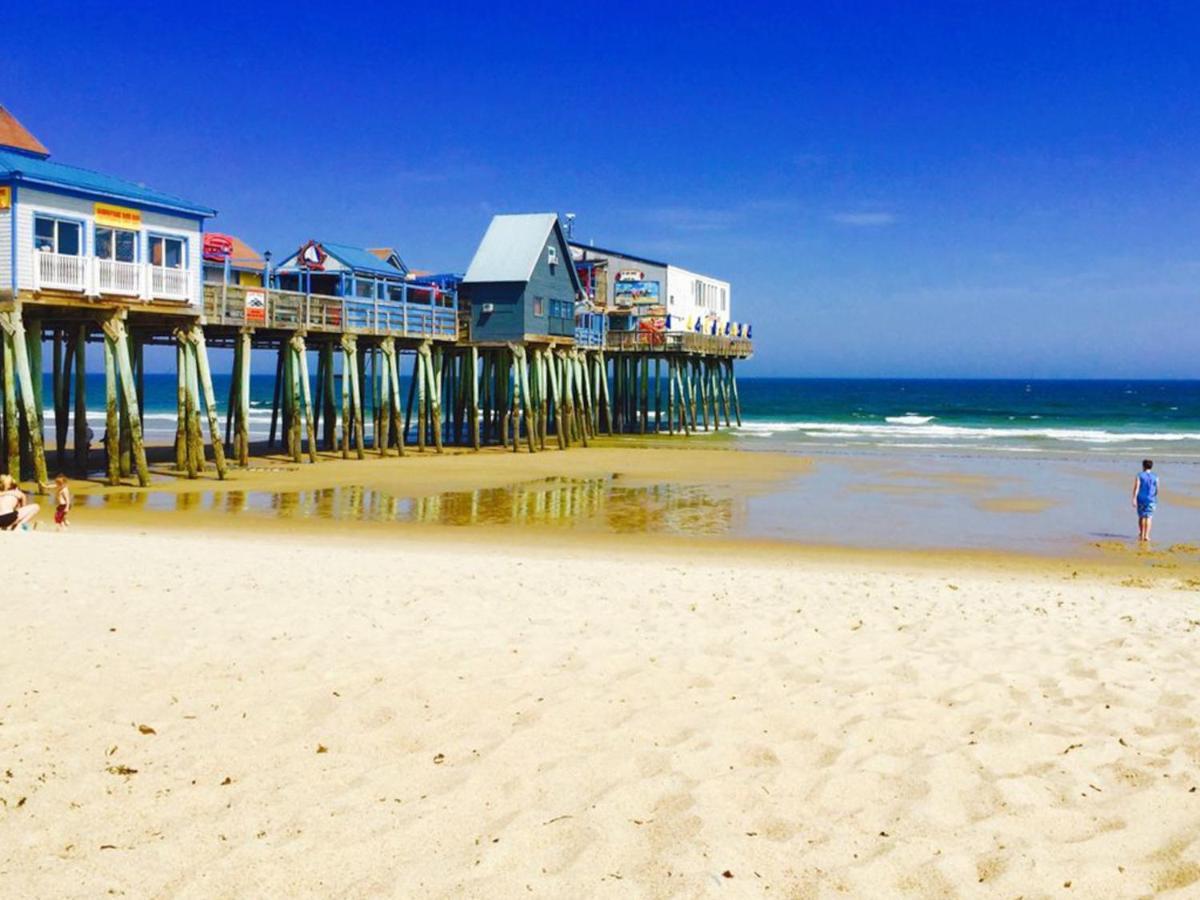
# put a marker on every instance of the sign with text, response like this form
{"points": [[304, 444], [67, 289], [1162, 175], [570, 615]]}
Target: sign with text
{"points": [[110, 216], [256, 307], [5, 197]]}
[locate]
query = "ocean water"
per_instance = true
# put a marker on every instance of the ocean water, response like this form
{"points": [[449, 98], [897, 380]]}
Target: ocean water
{"points": [[1127, 418]]}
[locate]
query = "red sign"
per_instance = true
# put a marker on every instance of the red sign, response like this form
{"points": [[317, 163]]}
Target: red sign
{"points": [[217, 247]]}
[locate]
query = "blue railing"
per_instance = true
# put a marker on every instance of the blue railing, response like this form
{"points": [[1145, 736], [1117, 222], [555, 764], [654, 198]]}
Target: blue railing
{"points": [[589, 330], [273, 308]]}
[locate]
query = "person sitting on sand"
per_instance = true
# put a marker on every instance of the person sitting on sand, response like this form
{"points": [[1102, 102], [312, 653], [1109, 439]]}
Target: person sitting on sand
{"points": [[14, 510], [1145, 498], [62, 502]]}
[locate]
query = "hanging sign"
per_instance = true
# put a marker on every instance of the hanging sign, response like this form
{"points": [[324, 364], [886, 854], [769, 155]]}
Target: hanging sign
{"points": [[5, 197], [631, 275], [217, 247], [312, 256], [111, 216], [256, 307]]}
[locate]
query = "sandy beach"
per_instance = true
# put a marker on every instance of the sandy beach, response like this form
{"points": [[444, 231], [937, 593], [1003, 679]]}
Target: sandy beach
{"points": [[273, 711]]}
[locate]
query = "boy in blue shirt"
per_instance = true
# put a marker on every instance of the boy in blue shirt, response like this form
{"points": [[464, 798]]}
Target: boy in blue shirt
{"points": [[1145, 498]]}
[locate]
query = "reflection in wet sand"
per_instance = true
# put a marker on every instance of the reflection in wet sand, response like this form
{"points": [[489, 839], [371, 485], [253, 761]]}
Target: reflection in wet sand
{"points": [[562, 502]]}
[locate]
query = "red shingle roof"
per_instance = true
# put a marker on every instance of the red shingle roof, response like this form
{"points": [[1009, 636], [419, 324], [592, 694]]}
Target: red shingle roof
{"points": [[13, 134]]}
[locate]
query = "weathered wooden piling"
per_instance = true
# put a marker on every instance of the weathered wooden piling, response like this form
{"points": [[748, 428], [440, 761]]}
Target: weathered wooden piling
{"points": [[12, 430], [117, 338], [300, 351]]}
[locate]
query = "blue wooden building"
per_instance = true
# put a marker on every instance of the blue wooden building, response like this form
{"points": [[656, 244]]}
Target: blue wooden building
{"points": [[521, 285]]}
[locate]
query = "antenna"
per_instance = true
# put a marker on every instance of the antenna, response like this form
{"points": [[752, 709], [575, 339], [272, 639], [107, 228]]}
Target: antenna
{"points": [[570, 225]]}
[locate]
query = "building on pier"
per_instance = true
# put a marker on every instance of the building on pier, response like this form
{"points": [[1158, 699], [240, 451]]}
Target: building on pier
{"points": [[634, 289], [230, 260], [340, 270], [72, 234], [521, 285]]}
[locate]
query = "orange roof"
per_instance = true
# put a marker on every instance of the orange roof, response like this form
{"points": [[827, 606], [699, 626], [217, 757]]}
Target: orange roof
{"points": [[242, 255], [384, 253], [14, 134]]}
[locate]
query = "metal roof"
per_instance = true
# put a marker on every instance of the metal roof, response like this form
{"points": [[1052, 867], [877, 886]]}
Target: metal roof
{"points": [[357, 259], [512, 246], [603, 251], [29, 169]]}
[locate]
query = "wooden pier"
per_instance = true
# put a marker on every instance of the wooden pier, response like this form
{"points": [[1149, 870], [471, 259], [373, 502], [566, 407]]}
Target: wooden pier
{"points": [[515, 353], [337, 384]]}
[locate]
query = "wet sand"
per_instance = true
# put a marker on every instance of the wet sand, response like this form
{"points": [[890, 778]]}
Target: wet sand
{"points": [[1052, 507]]}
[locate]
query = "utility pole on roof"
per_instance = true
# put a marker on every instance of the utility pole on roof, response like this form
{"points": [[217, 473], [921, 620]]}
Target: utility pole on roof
{"points": [[570, 225]]}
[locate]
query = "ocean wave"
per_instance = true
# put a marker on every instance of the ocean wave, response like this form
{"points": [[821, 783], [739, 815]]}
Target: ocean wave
{"points": [[847, 430], [909, 419]]}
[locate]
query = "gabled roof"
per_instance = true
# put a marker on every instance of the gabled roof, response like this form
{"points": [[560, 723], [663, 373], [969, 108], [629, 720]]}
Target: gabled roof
{"points": [[16, 136], [241, 254], [21, 167], [357, 259], [388, 255], [512, 247]]}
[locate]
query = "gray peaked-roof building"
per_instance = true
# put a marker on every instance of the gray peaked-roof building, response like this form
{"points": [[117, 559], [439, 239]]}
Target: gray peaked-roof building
{"points": [[521, 284]]}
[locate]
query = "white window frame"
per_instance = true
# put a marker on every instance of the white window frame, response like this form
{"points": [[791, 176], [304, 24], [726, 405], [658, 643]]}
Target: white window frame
{"points": [[60, 220], [183, 251], [115, 231]]}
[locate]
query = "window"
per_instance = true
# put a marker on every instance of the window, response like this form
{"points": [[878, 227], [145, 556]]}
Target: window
{"points": [[539, 306], [552, 256], [723, 299], [364, 288], [166, 252], [117, 244], [57, 236]]}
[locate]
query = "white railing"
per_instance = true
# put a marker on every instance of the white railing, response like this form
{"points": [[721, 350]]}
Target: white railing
{"points": [[59, 272], [115, 277], [169, 284]]}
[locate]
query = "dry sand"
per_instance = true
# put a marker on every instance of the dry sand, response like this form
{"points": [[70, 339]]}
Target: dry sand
{"points": [[264, 715]]}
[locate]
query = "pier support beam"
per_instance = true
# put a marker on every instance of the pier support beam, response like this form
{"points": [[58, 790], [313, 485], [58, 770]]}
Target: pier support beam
{"points": [[12, 428], [300, 352], [18, 370], [116, 336], [351, 398], [383, 402], [473, 374], [241, 419], [200, 350]]}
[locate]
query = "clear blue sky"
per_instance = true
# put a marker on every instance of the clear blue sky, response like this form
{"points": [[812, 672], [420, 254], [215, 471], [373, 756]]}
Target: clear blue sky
{"points": [[893, 189]]}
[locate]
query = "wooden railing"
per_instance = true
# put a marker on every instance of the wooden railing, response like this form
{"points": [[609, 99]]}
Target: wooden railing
{"points": [[678, 342], [225, 304]]}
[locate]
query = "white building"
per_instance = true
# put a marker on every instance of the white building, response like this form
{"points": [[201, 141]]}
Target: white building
{"points": [[619, 281], [67, 230]]}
